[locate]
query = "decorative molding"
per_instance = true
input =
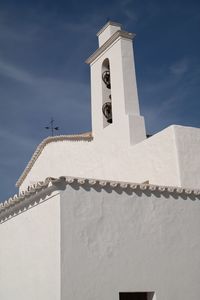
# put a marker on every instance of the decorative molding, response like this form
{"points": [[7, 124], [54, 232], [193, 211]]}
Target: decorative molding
{"points": [[109, 42], [51, 139], [26, 199], [36, 192]]}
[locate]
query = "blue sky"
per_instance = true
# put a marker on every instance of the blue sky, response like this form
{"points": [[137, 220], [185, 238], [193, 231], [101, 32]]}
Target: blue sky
{"points": [[43, 46]]}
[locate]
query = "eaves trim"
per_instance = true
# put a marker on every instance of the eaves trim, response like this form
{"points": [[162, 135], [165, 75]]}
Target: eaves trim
{"points": [[10, 207]]}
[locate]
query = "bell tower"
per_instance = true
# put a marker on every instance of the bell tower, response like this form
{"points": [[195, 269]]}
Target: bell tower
{"points": [[115, 105]]}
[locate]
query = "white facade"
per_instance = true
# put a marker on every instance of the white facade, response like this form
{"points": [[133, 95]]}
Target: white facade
{"points": [[30, 253], [170, 157], [121, 241], [96, 233], [94, 239]]}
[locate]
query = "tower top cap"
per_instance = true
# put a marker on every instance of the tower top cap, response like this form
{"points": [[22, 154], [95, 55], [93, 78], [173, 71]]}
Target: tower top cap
{"points": [[114, 24], [107, 31]]}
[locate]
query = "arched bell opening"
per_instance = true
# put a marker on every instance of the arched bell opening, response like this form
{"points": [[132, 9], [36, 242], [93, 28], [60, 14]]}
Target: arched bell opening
{"points": [[106, 93]]}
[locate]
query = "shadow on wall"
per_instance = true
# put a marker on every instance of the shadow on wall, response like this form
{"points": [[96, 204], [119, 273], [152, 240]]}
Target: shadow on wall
{"points": [[129, 191], [33, 200]]}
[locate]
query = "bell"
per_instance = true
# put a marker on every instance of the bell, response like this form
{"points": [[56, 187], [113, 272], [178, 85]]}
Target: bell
{"points": [[107, 111], [106, 78]]}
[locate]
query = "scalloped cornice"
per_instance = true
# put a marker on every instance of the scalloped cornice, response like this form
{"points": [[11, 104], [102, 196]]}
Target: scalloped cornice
{"points": [[51, 139], [35, 193]]}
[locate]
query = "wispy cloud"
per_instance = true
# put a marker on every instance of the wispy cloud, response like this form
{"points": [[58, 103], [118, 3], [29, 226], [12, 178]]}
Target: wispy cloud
{"points": [[131, 15], [164, 95], [13, 72], [129, 11], [145, 12], [180, 67]]}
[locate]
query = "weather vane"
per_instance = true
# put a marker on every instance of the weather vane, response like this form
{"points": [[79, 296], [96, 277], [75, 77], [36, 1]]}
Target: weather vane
{"points": [[51, 126]]}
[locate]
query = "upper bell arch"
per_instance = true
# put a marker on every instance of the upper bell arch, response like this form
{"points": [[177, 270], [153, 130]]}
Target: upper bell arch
{"points": [[106, 93]]}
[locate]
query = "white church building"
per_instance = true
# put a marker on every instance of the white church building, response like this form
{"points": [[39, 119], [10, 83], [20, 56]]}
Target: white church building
{"points": [[111, 214]]}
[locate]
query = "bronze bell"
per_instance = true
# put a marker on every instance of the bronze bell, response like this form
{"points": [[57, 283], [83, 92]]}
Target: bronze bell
{"points": [[107, 111], [106, 78]]}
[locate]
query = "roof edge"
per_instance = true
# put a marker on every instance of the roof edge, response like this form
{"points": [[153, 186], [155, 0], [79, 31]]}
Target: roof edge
{"points": [[52, 184], [75, 137]]}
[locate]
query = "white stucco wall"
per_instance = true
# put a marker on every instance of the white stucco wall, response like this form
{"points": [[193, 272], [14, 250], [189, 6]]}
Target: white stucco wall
{"points": [[30, 253], [121, 241], [92, 242], [188, 149], [154, 159]]}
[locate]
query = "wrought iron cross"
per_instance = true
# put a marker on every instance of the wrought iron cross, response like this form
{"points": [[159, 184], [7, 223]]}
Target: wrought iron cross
{"points": [[51, 126]]}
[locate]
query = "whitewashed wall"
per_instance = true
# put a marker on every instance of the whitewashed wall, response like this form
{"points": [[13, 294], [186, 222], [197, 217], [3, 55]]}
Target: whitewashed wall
{"points": [[119, 241], [188, 149], [110, 240], [170, 157], [154, 159], [30, 253]]}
